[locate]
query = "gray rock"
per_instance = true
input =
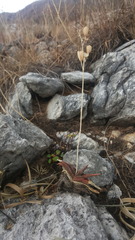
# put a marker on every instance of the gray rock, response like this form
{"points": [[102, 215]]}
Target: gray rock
{"points": [[72, 139], [44, 57], [42, 52], [112, 228], [125, 45], [130, 157], [114, 192], [13, 52], [40, 47], [42, 85], [67, 216], [113, 97], [66, 107], [95, 163], [109, 63], [76, 77], [19, 141], [20, 104]]}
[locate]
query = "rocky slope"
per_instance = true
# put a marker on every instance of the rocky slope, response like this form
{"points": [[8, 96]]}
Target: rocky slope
{"points": [[40, 100], [109, 100]]}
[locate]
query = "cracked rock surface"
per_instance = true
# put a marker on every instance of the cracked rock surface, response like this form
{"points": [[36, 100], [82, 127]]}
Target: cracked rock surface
{"points": [[112, 228], [42, 85], [19, 141], [67, 107], [66, 216], [113, 96], [76, 77], [20, 104]]}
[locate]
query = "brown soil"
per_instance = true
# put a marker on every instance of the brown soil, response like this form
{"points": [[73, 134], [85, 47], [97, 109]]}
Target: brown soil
{"points": [[125, 171]]}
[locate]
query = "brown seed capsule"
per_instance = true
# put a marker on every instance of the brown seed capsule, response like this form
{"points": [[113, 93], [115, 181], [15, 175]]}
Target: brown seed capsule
{"points": [[85, 31], [88, 49]]}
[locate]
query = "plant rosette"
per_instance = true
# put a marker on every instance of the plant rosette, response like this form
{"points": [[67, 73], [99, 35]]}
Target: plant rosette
{"points": [[55, 157]]}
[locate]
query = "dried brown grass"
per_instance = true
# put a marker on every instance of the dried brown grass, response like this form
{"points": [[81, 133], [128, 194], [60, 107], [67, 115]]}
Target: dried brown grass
{"points": [[22, 192], [111, 23]]}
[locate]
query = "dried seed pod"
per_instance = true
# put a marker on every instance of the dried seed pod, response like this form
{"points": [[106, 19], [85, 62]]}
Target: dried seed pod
{"points": [[86, 55], [80, 55], [85, 31], [88, 49]]}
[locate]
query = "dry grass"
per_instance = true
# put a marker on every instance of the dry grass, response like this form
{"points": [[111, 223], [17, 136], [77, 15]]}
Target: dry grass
{"points": [[111, 23], [128, 212], [20, 193], [126, 178]]}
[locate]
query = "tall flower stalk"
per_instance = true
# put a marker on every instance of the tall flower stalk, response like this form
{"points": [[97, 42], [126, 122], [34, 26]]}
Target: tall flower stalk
{"points": [[82, 56]]}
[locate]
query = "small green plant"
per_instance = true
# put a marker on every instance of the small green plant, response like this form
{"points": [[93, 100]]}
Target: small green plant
{"points": [[54, 157], [72, 135]]}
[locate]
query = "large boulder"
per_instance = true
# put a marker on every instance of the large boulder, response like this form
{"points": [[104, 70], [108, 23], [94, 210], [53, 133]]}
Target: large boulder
{"points": [[19, 141], [66, 107], [113, 96], [66, 216], [20, 104], [42, 85], [94, 163]]}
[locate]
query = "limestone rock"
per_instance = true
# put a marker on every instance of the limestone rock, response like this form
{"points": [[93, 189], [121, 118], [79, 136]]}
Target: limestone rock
{"points": [[76, 77], [64, 217], [114, 192], [112, 228], [130, 157], [13, 51], [40, 47], [42, 85], [67, 216], [72, 140], [66, 107], [20, 104], [19, 141], [95, 163], [113, 96]]}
